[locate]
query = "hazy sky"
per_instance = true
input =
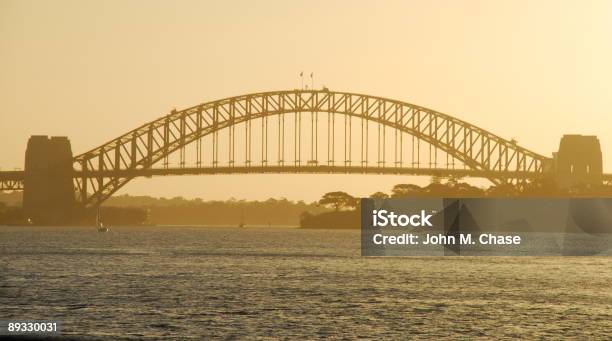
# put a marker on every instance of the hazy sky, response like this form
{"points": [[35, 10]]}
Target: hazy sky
{"points": [[92, 70]]}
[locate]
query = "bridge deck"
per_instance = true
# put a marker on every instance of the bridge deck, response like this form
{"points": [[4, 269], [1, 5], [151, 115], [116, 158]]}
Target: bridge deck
{"points": [[13, 180], [459, 172], [313, 169]]}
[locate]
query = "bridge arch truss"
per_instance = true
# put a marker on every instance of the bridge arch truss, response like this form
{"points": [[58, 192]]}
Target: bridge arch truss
{"points": [[105, 169]]}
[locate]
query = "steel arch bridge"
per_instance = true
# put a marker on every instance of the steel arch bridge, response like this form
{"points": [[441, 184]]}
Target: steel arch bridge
{"points": [[358, 134]]}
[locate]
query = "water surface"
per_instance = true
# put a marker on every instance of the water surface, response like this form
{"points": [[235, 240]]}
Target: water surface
{"points": [[281, 283]]}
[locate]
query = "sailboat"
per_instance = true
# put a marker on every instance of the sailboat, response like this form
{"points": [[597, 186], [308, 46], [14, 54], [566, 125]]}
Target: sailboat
{"points": [[99, 225]]}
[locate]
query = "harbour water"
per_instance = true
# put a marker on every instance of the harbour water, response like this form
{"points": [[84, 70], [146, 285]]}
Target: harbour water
{"points": [[284, 283]]}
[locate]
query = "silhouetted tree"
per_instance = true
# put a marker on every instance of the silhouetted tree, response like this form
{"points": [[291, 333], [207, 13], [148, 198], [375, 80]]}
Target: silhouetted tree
{"points": [[406, 190], [541, 187], [436, 190], [502, 190], [466, 190], [338, 201], [379, 195]]}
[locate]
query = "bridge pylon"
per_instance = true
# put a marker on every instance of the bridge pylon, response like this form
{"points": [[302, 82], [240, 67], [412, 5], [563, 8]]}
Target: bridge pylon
{"points": [[48, 196], [578, 163]]}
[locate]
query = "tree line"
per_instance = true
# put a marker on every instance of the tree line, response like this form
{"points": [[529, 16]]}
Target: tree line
{"points": [[344, 207], [339, 201]]}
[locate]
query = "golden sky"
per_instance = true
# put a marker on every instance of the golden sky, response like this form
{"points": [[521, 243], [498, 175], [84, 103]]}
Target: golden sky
{"points": [[92, 70]]}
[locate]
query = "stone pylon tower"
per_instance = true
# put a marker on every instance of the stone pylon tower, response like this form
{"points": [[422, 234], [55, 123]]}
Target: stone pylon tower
{"points": [[48, 195], [578, 161]]}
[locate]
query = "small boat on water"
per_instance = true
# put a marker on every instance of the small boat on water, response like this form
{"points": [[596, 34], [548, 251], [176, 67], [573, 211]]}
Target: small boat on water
{"points": [[99, 225]]}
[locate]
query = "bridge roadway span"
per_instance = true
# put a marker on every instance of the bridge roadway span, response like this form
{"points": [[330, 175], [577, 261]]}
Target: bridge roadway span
{"points": [[14, 179]]}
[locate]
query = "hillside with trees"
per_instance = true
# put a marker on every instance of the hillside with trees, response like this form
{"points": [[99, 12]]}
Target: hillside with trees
{"points": [[333, 210], [345, 208]]}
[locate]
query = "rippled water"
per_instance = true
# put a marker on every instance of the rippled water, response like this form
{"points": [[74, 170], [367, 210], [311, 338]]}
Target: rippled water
{"points": [[280, 283]]}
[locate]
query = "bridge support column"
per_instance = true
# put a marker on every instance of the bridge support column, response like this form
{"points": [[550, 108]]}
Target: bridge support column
{"points": [[48, 194], [578, 163]]}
